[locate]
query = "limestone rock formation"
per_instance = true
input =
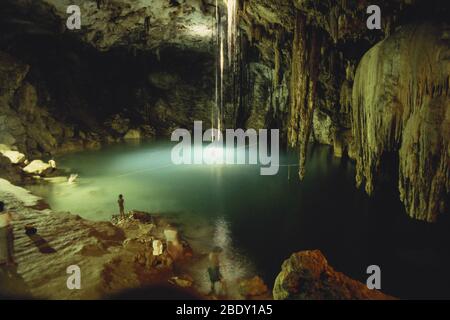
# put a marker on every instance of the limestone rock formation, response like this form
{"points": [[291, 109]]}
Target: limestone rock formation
{"points": [[307, 275], [401, 105], [133, 134]]}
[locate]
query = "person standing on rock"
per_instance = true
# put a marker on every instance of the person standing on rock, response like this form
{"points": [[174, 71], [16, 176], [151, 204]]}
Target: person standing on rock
{"points": [[6, 237], [121, 203]]}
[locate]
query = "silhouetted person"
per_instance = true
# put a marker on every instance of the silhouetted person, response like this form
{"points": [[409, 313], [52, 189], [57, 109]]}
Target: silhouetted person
{"points": [[6, 237], [215, 276], [121, 203]]}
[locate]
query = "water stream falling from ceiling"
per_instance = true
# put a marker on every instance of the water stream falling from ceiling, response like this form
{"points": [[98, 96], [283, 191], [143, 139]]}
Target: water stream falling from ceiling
{"points": [[220, 37]]}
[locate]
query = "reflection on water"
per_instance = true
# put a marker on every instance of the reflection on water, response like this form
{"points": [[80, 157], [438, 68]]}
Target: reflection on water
{"points": [[233, 266], [260, 220]]}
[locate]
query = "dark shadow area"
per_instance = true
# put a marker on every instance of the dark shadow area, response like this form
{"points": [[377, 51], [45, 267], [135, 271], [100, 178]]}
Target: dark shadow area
{"points": [[12, 285]]}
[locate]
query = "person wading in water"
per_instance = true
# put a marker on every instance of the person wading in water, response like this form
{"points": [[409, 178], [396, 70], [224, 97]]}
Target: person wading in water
{"points": [[121, 203]]}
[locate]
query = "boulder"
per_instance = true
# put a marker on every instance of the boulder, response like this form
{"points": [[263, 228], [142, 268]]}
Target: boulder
{"points": [[133, 134], [306, 275], [14, 156], [38, 167], [254, 288]]}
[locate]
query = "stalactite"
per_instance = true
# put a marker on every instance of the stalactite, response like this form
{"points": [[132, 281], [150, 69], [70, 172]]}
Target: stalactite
{"points": [[305, 56], [401, 104], [334, 23], [307, 112], [299, 78], [345, 99], [277, 59], [147, 25]]}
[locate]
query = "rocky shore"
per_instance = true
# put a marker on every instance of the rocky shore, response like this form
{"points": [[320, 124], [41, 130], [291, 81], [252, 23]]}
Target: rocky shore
{"points": [[112, 256]]}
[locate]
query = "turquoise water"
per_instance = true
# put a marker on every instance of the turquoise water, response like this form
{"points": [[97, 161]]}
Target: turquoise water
{"points": [[261, 220]]}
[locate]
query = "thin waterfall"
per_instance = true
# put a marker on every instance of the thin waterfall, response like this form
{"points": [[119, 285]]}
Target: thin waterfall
{"points": [[231, 30], [221, 56]]}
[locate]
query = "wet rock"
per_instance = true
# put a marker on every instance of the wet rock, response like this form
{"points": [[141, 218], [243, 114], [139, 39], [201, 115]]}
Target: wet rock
{"points": [[133, 134], [254, 289], [306, 275], [14, 156], [39, 167]]}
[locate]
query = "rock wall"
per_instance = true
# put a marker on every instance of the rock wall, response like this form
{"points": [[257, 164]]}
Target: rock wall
{"points": [[401, 104], [23, 123]]}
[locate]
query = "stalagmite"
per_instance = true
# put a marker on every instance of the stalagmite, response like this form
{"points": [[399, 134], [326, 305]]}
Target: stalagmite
{"points": [[401, 105]]}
